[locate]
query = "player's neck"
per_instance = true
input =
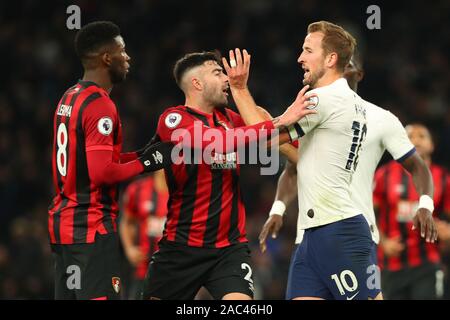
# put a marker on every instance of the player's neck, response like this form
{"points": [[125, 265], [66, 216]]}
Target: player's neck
{"points": [[427, 160], [98, 77], [328, 78], [199, 104]]}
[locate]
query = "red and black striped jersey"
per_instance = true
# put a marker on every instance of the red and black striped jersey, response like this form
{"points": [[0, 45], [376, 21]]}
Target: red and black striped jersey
{"points": [[205, 206], [143, 202], [85, 119], [397, 200]]}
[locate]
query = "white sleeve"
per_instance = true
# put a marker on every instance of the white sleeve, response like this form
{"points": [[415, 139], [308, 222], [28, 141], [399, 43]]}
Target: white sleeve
{"points": [[395, 139], [309, 122]]}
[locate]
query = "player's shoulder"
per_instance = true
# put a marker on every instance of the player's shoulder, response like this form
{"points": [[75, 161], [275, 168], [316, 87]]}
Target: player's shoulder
{"points": [[94, 95], [380, 115], [437, 168], [331, 96], [230, 113], [174, 115]]}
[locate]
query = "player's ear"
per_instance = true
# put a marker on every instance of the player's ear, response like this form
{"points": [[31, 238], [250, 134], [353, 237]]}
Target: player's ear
{"points": [[360, 75], [196, 83], [106, 58], [331, 59]]}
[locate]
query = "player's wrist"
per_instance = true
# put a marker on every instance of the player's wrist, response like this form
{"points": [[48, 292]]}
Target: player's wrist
{"points": [[239, 88], [426, 202], [293, 134], [278, 208]]}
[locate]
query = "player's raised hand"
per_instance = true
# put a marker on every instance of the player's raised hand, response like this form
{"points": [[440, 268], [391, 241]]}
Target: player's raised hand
{"points": [[238, 69], [301, 107], [272, 226], [424, 221]]}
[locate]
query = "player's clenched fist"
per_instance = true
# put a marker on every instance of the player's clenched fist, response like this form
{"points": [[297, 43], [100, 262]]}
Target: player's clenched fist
{"points": [[156, 156]]}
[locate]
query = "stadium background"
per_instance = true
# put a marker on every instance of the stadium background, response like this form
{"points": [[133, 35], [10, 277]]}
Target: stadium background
{"points": [[407, 72]]}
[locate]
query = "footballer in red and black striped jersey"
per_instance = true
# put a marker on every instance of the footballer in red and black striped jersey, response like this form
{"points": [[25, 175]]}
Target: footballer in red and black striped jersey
{"points": [[205, 227], [87, 165], [411, 266], [142, 224]]}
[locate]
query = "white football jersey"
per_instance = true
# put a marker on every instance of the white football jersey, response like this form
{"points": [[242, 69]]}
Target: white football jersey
{"points": [[385, 133], [328, 155]]}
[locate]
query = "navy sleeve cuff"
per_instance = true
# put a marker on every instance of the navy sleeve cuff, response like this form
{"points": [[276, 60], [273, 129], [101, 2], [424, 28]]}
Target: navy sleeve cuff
{"points": [[407, 155]]}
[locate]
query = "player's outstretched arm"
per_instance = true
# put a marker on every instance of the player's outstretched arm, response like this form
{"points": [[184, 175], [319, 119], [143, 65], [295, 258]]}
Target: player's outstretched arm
{"points": [[104, 171], [286, 193], [423, 182]]}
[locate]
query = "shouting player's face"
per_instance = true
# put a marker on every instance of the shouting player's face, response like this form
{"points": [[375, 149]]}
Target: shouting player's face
{"points": [[312, 59], [215, 84], [119, 66], [421, 139]]}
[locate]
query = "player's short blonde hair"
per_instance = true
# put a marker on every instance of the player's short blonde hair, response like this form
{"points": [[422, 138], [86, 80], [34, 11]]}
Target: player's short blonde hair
{"points": [[335, 39]]}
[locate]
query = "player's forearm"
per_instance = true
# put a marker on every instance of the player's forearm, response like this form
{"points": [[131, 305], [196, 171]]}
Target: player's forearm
{"points": [[103, 171], [290, 152], [126, 230], [201, 137], [247, 106], [422, 178], [287, 184], [252, 114], [128, 156]]}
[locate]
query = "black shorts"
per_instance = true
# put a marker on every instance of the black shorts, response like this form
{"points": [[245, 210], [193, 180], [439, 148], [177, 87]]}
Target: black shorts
{"points": [[88, 270], [424, 282], [177, 271]]}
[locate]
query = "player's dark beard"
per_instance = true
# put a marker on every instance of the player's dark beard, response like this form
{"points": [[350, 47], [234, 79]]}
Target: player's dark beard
{"points": [[216, 99], [315, 77], [116, 75], [219, 102]]}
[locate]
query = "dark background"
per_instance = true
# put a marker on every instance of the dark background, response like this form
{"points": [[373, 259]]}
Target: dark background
{"points": [[406, 65]]}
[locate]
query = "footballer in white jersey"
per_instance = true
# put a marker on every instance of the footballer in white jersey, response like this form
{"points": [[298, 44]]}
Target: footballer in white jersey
{"points": [[333, 259], [387, 133], [328, 155]]}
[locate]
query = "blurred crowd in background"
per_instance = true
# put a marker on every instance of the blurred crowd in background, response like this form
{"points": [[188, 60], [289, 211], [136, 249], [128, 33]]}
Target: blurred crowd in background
{"points": [[406, 71]]}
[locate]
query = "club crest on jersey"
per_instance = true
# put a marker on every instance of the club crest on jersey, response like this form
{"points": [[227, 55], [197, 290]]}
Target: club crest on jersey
{"points": [[172, 120], [314, 100], [116, 284], [105, 126]]}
